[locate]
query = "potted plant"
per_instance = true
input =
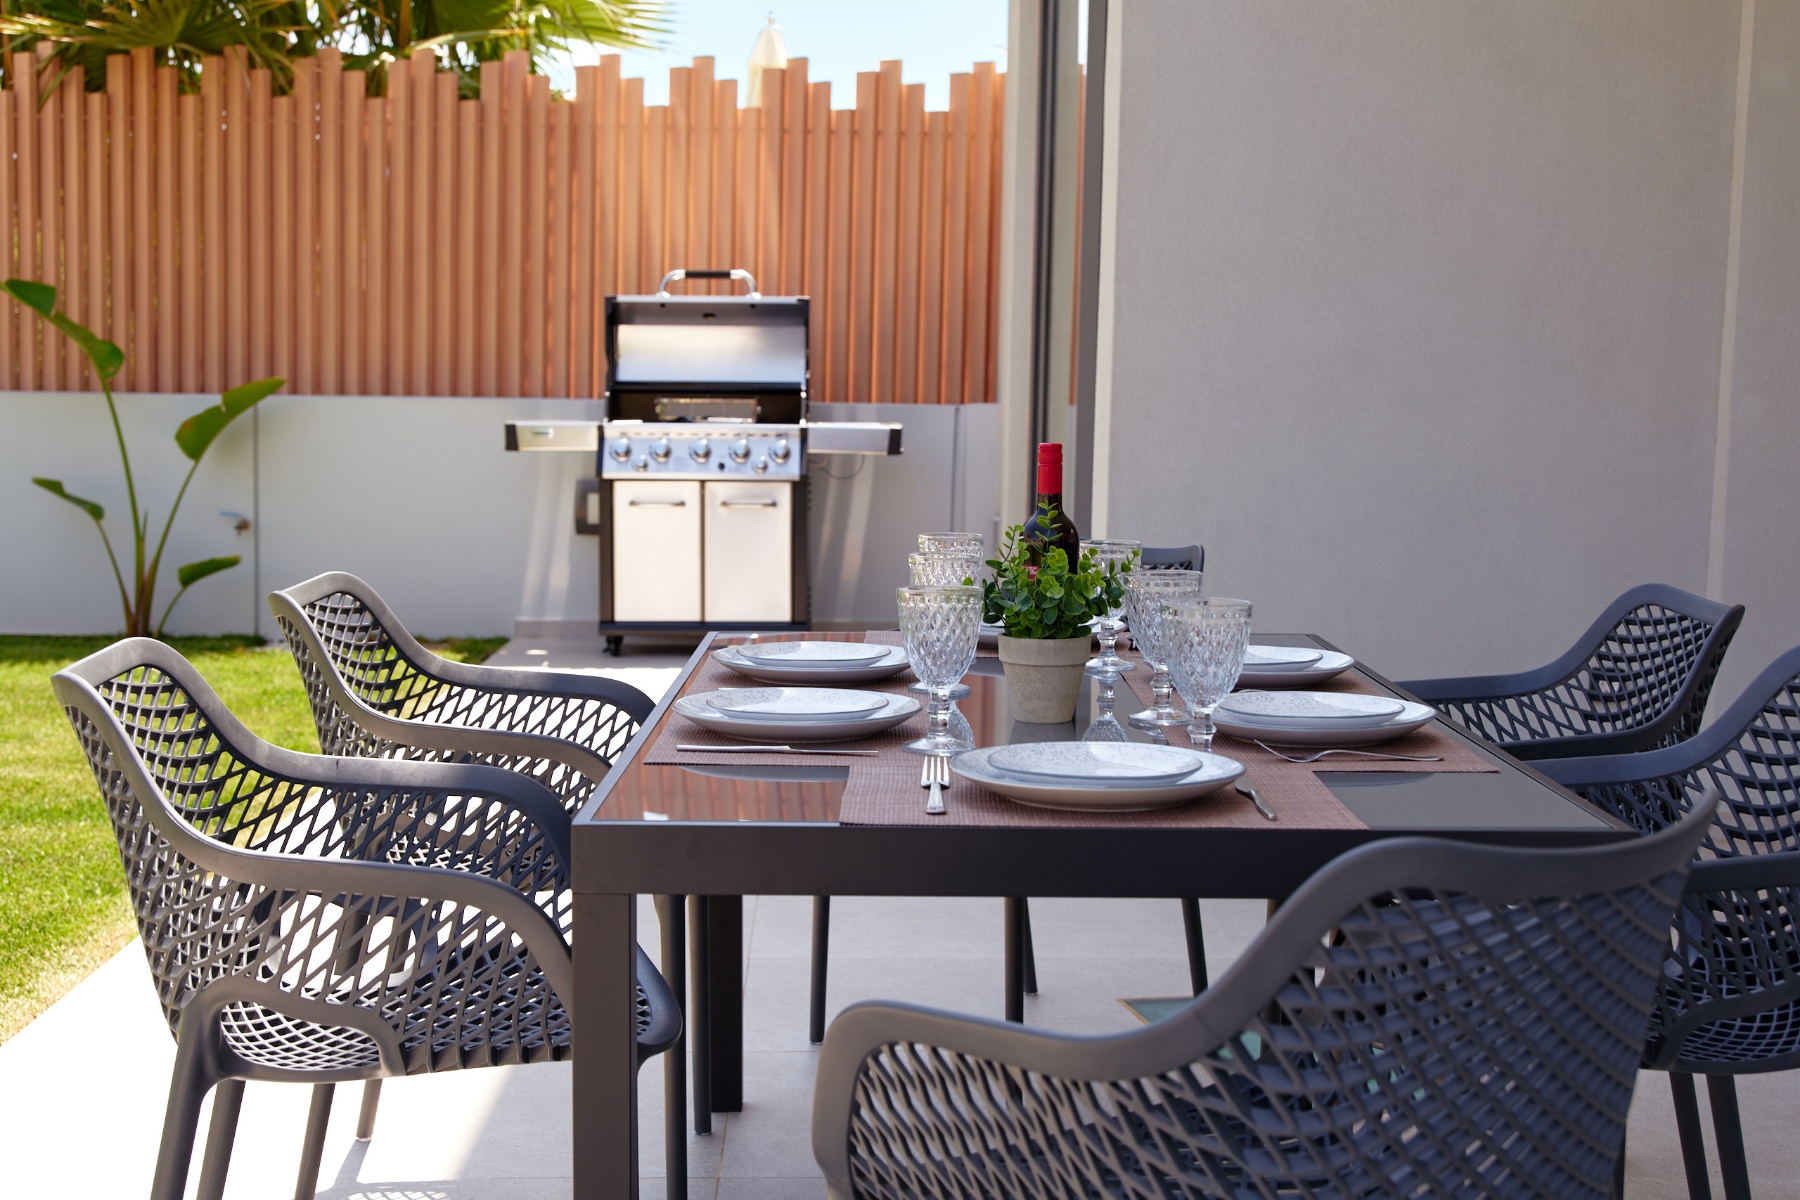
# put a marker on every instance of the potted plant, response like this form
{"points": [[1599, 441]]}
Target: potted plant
{"points": [[1043, 604]]}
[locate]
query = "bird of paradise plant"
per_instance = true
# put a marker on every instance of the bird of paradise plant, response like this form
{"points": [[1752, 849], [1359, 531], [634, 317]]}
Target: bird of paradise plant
{"points": [[194, 437]]}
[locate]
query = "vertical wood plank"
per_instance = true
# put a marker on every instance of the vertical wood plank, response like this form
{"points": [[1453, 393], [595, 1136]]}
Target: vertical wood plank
{"points": [[677, 198], [353, 87], [656, 203], [468, 250], [333, 182], [303, 281], [24, 111], [142, 355], [704, 93], [862, 241], [931, 271], [399, 224], [212, 218], [79, 374], [725, 151], [793, 178], [747, 252], [537, 243], [9, 246], [281, 284], [562, 237], [94, 193], [608, 195], [581, 350], [843, 195], [447, 290], [818, 210], [887, 228], [956, 243], [416, 219], [49, 144], [493, 134], [375, 245], [769, 249], [258, 147], [237, 229], [169, 330], [512, 224], [991, 275], [911, 197], [188, 117]]}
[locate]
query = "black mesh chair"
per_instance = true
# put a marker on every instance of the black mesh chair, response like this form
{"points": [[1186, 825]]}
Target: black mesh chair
{"points": [[1172, 558], [321, 920], [1639, 678], [1730, 999], [1422, 1018]]}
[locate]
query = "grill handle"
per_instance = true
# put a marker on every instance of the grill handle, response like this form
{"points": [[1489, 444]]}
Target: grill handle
{"points": [[678, 274], [749, 504], [656, 504], [587, 505]]}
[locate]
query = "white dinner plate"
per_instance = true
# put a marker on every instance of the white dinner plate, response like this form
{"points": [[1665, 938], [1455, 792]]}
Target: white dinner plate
{"points": [[1279, 658], [898, 709], [1109, 763], [1310, 710], [1331, 664], [891, 662], [1215, 772], [812, 654], [792, 703], [1412, 716]]}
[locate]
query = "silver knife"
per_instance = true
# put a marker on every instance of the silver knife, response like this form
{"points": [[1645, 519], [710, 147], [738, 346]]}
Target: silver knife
{"points": [[768, 750], [1249, 793]]}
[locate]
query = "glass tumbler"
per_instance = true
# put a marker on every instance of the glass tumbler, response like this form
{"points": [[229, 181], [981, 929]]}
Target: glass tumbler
{"points": [[1145, 592], [1205, 642], [954, 543], [941, 626], [1111, 553], [944, 568]]}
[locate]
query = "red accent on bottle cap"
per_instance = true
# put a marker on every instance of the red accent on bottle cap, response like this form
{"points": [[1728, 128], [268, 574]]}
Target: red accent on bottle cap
{"points": [[1050, 466]]}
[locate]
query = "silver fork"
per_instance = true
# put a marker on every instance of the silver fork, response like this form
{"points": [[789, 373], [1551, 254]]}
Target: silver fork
{"points": [[936, 776], [1315, 757]]}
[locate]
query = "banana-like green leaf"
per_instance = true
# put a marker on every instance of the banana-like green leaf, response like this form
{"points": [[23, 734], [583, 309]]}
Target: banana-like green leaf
{"points": [[41, 299], [194, 572], [198, 431], [55, 488]]}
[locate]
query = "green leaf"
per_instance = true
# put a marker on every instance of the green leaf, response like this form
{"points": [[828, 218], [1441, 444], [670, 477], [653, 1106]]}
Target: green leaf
{"points": [[194, 572], [198, 431], [55, 488], [40, 297]]}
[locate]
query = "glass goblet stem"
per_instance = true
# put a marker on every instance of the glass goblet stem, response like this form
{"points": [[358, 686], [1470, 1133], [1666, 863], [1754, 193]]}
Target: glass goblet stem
{"points": [[1161, 689], [937, 720], [1202, 731]]}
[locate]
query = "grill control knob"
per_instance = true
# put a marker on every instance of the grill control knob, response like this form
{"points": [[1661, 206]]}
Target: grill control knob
{"points": [[781, 451], [740, 450], [660, 451], [761, 465], [640, 464], [700, 450], [621, 449]]}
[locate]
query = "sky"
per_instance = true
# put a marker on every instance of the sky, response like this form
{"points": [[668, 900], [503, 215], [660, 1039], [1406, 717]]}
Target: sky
{"points": [[932, 38]]}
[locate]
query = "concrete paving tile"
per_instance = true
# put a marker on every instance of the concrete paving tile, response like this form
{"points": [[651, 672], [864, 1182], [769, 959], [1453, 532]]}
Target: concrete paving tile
{"points": [[798, 1188], [886, 927], [772, 1137]]}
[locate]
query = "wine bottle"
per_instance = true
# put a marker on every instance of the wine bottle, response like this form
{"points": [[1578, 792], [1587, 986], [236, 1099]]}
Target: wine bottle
{"points": [[1049, 525]]}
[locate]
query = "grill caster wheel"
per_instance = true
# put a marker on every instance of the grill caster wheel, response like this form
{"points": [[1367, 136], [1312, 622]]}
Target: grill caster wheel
{"points": [[614, 645]]}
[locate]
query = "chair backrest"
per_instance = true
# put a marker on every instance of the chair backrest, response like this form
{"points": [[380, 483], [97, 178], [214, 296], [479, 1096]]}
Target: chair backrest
{"points": [[1173, 558], [1422, 1018], [237, 878]]}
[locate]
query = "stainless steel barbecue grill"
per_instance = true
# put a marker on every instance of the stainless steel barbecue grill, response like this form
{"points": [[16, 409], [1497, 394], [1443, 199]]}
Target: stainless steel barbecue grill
{"points": [[701, 499]]}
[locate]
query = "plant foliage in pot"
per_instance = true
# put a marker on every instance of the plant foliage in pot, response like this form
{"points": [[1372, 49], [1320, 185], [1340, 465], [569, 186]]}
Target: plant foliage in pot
{"points": [[1043, 604]]}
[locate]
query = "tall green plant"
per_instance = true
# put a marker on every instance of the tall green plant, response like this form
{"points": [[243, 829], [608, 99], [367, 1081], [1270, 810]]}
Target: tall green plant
{"points": [[194, 437], [182, 32]]}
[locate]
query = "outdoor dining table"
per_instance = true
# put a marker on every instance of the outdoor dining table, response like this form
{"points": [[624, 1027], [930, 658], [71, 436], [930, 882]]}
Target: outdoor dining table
{"points": [[723, 826]]}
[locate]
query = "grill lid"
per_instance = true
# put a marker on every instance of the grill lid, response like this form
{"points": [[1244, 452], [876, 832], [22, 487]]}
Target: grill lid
{"points": [[707, 345]]}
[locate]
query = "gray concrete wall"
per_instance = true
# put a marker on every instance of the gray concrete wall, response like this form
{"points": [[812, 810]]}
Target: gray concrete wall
{"points": [[1416, 313], [417, 495]]}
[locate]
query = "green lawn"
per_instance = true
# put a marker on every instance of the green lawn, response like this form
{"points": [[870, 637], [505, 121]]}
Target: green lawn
{"points": [[62, 895]]}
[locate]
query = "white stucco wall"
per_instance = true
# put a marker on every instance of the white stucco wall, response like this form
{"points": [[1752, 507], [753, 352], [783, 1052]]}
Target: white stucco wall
{"points": [[1416, 313]]}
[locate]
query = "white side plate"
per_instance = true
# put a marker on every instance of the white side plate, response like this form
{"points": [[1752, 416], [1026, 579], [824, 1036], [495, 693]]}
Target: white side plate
{"points": [[792, 704], [1310, 710], [898, 709], [891, 662], [1100, 763], [1412, 716], [1217, 772], [1279, 658], [1331, 664], [807, 654]]}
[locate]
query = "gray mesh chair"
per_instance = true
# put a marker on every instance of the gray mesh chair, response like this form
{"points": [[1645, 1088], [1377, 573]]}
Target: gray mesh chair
{"points": [[1173, 558], [1422, 1018], [1639, 678], [1730, 998], [321, 920]]}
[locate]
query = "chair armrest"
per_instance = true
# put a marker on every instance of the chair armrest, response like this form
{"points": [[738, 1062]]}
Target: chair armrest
{"points": [[1477, 687], [571, 685]]}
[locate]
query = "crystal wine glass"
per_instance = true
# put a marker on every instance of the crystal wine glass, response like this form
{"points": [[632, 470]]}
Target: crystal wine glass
{"points": [[1145, 592], [954, 543], [941, 626], [1111, 553], [1205, 642], [943, 568], [1104, 727]]}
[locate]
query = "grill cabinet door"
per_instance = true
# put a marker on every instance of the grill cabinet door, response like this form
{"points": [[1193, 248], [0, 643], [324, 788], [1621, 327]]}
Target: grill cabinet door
{"points": [[656, 550], [749, 551]]}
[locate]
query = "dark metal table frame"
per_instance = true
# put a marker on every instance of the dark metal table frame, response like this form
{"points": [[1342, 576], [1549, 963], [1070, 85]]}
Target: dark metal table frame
{"points": [[624, 854]]}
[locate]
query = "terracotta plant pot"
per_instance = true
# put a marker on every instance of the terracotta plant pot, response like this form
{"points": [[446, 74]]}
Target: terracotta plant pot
{"points": [[1043, 676]]}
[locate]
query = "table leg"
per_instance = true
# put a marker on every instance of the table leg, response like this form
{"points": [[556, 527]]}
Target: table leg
{"points": [[725, 1000], [700, 1012], [604, 1017], [1015, 959]]}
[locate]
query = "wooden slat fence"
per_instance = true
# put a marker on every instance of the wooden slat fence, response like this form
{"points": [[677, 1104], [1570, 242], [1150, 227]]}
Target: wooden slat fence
{"points": [[421, 244]]}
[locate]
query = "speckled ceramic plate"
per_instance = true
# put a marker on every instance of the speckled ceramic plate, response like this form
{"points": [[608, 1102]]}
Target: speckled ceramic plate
{"points": [[898, 709], [1097, 762], [891, 662], [1216, 772], [1310, 710]]}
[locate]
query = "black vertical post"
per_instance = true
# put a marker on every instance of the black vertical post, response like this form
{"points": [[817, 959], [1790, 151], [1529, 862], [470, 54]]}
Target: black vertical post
{"points": [[1015, 960], [725, 1000], [821, 957], [605, 1021], [699, 1013]]}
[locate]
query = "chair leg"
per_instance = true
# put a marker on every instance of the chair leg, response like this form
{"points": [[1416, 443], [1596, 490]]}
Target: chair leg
{"points": [[312, 1149], [1030, 964], [699, 1022], [228, 1099], [365, 1116], [1687, 1127], [181, 1119], [1728, 1132], [1196, 943], [673, 912], [821, 949], [1618, 1186]]}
